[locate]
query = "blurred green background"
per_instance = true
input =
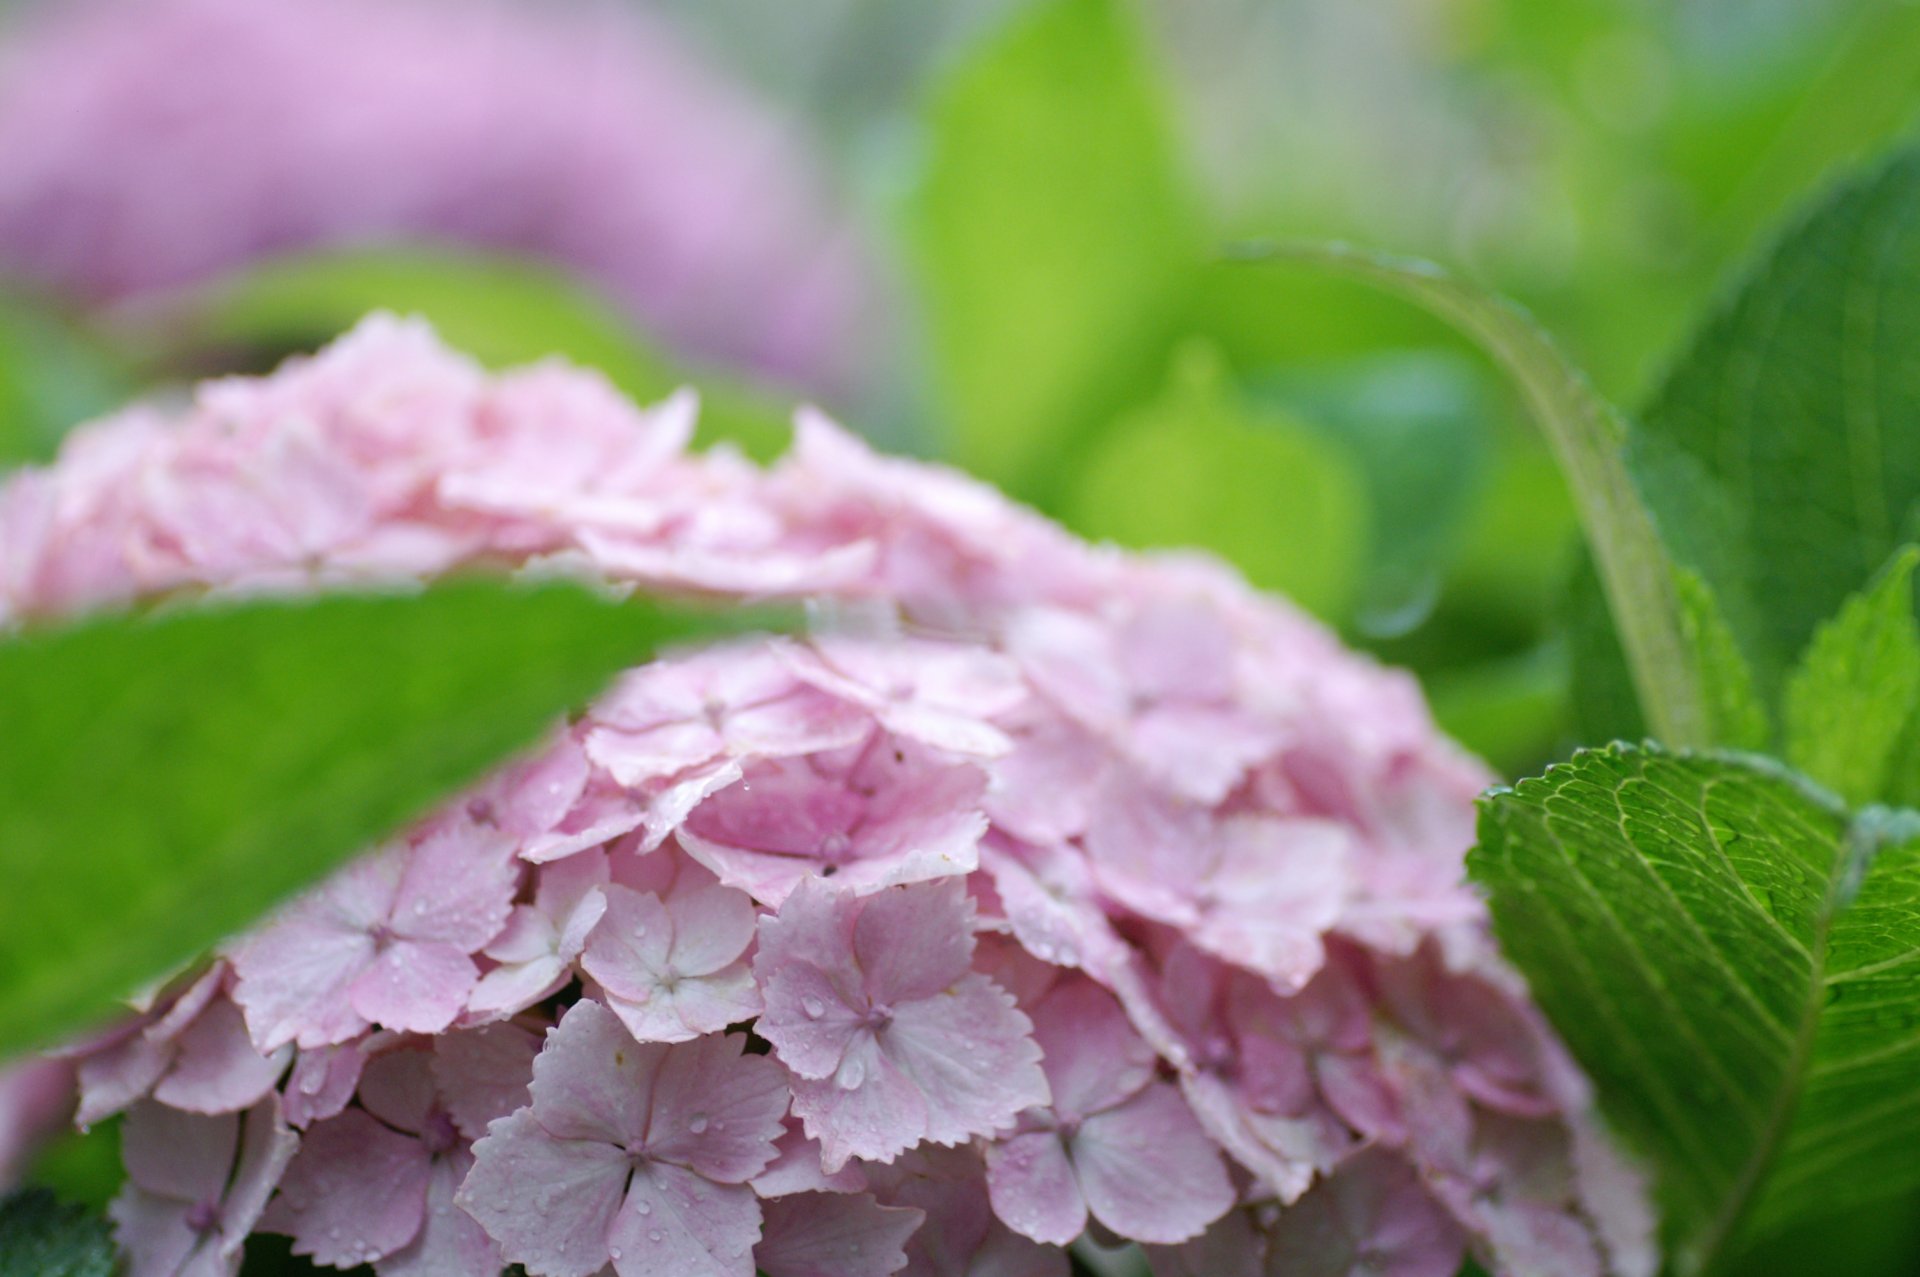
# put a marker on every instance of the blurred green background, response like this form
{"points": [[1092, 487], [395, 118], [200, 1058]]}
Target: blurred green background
{"points": [[1051, 184]]}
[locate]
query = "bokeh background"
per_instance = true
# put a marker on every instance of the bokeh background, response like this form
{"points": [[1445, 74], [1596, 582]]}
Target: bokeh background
{"points": [[991, 231]]}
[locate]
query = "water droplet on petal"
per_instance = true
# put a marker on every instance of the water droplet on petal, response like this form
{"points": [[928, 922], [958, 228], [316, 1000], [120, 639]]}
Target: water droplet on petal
{"points": [[699, 1124], [814, 1007], [654, 1234]]}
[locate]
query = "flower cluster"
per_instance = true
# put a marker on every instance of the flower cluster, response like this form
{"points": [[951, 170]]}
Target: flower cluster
{"points": [[146, 144], [1041, 890]]}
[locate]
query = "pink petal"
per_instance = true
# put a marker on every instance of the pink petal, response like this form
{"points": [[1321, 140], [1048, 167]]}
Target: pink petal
{"points": [[717, 1109], [797, 1169], [1092, 1057], [1148, 1171], [914, 942], [458, 887], [415, 986], [398, 1086], [293, 979], [355, 1192], [1230, 1248], [216, 1068], [869, 1108], [116, 1076], [815, 997], [183, 1156], [834, 1235], [1034, 1192], [972, 1054], [712, 924], [1372, 1217], [592, 1081], [549, 1202], [482, 1075], [508, 990], [450, 1243], [527, 935], [321, 1083], [676, 1224], [153, 1233], [687, 1009], [627, 952]]}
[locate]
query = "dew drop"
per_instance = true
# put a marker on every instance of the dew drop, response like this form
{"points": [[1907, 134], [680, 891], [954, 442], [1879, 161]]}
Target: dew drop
{"points": [[699, 1124], [644, 1206], [654, 1234], [814, 1007]]}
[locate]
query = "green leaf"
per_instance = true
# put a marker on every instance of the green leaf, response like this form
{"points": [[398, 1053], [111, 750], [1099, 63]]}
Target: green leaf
{"points": [[502, 311], [52, 377], [1201, 467], [1588, 437], [1726, 682], [42, 1237], [1855, 689], [164, 780], [1055, 238], [1735, 960], [1779, 458]]}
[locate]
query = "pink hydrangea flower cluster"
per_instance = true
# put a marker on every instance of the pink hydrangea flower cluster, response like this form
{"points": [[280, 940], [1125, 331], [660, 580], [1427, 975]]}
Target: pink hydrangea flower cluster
{"points": [[146, 144], [1042, 891]]}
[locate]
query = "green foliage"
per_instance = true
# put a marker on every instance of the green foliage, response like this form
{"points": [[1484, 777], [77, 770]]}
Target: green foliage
{"points": [[1203, 467], [1416, 427], [163, 780], [1779, 458], [1854, 690], [1055, 239], [502, 311], [1658, 625], [51, 378], [1735, 959], [42, 1237]]}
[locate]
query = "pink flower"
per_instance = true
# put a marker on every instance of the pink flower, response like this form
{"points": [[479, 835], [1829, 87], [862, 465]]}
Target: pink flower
{"points": [[375, 1185], [191, 1051], [632, 1154], [892, 1038], [731, 702], [195, 1186], [388, 941], [673, 964], [1115, 1141], [877, 814], [542, 939], [153, 144], [1216, 856]]}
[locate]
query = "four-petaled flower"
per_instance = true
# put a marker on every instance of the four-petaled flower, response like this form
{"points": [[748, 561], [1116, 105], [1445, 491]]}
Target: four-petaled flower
{"points": [[630, 1153], [892, 1037]]}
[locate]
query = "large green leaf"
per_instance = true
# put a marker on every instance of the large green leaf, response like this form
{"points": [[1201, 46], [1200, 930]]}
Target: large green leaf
{"points": [[1735, 959], [43, 1237], [164, 780], [1202, 466], [1657, 624], [1780, 459], [502, 311], [1056, 240]]}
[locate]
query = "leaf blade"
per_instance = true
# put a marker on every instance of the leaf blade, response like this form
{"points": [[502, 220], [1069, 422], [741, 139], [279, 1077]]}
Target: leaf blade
{"points": [[1589, 438], [211, 761], [1855, 687], [1682, 919]]}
